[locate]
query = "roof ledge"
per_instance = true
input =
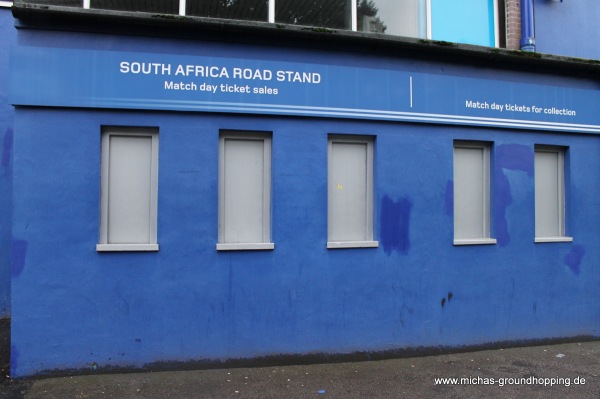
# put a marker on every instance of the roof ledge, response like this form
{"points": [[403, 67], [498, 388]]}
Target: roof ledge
{"points": [[36, 16]]}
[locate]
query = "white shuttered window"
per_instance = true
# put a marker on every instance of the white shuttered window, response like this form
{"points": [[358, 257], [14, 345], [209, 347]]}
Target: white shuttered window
{"points": [[244, 191], [350, 192], [550, 194], [129, 178], [472, 193]]}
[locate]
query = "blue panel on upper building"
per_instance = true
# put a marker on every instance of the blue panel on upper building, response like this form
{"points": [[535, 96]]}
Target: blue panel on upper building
{"points": [[568, 28], [464, 21]]}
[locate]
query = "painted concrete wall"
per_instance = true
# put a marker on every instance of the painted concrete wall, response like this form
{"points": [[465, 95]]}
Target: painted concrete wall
{"points": [[568, 28], [75, 308], [7, 38]]}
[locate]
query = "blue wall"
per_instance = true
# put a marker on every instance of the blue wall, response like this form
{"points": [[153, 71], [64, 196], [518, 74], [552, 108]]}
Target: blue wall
{"points": [[568, 28], [7, 38], [76, 308]]}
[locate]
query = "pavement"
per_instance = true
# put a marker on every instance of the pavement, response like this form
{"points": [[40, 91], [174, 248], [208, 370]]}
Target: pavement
{"points": [[565, 371]]}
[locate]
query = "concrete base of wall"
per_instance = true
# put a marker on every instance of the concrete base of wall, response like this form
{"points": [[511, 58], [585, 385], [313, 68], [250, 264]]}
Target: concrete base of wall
{"points": [[9, 389], [308, 359], [4, 347]]}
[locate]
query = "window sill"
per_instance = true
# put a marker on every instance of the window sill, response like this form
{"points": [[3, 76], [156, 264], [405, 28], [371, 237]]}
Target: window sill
{"points": [[475, 241], [246, 246], [126, 247], [553, 239], [352, 244]]}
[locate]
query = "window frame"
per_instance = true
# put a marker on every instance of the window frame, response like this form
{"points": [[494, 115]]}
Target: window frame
{"points": [[370, 241], [266, 243], [485, 218], [561, 195], [496, 4], [129, 131]]}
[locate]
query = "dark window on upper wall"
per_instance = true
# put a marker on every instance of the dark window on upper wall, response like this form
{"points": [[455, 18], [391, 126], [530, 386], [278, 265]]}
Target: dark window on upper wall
{"points": [[393, 17], [249, 10], [428, 19], [161, 7], [336, 14], [502, 23]]}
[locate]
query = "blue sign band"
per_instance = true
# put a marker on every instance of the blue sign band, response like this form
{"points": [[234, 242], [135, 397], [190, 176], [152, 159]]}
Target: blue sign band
{"points": [[57, 77]]}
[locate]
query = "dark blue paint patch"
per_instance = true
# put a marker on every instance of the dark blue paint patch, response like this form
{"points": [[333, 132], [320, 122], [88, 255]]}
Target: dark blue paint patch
{"points": [[14, 359], [449, 198], [7, 146], [502, 199], [573, 259], [515, 157], [17, 259], [395, 225]]}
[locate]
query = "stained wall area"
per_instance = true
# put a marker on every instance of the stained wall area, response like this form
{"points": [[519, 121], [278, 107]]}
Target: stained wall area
{"points": [[8, 38]]}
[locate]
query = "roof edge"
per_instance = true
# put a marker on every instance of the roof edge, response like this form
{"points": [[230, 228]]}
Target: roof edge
{"points": [[36, 16]]}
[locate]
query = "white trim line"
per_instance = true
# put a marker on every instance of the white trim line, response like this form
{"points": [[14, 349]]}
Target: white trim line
{"points": [[182, 7], [86, 4], [411, 91], [553, 239], [352, 244], [126, 247], [341, 112], [246, 246], [6, 4]]}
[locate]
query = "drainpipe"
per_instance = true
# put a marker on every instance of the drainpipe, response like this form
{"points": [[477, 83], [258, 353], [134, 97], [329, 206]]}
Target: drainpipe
{"points": [[527, 26]]}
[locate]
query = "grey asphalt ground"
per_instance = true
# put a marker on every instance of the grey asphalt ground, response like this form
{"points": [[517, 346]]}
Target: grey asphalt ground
{"points": [[565, 371]]}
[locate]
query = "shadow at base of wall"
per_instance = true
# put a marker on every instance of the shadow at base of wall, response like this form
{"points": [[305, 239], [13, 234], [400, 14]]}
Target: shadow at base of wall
{"points": [[9, 388]]}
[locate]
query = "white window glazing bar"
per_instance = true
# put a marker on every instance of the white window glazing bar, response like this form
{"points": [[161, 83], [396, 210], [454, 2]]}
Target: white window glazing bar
{"points": [[354, 15], [182, 5], [496, 25], [86, 4], [428, 11], [272, 11]]}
